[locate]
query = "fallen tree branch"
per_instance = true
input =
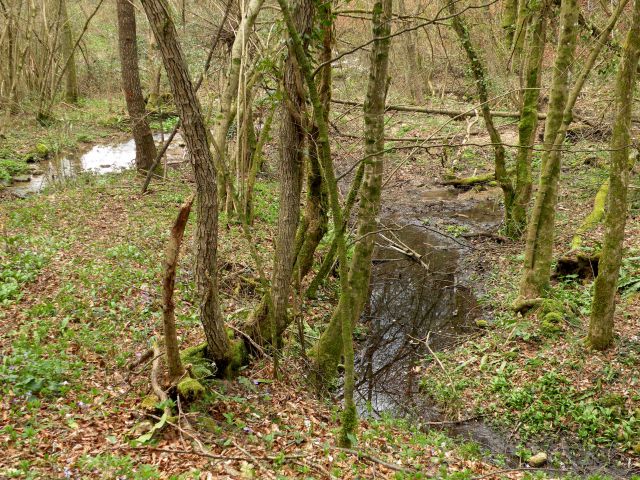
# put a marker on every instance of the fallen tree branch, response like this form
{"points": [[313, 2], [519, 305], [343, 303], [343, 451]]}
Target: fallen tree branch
{"points": [[438, 111]]}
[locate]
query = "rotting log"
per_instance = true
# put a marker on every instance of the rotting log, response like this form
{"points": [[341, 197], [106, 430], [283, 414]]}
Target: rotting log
{"points": [[468, 182]]}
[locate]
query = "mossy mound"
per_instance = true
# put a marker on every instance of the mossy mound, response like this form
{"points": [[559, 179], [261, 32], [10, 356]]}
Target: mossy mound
{"points": [[201, 367], [150, 403], [190, 389], [239, 357]]}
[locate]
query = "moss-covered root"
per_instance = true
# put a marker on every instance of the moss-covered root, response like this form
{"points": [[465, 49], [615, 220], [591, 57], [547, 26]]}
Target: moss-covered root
{"points": [[237, 358], [594, 218], [196, 360]]}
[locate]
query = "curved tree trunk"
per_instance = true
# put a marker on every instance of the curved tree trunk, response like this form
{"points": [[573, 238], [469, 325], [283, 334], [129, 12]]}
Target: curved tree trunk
{"points": [[145, 146], [603, 306], [195, 135], [481, 80]]}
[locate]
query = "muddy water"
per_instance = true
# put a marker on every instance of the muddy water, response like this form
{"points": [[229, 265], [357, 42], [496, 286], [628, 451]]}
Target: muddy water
{"points": [[424, 302], [421, 303], [98, 159]]}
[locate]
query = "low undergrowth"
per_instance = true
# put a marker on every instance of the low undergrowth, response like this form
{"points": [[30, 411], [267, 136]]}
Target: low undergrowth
{"points": [[80, 283]]}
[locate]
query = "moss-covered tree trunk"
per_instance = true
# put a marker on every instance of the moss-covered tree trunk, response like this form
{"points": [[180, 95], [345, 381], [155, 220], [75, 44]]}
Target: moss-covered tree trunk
{"points": [[315, 220], [329, 347], [324, 153], [482, 87], [509, 19], [219, 347], [528, 124], [540, 229], [603, 305], [127, 41]]}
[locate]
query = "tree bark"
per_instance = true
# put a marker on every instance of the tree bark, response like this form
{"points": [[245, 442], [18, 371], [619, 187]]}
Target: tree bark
{"points": [[528, 125], [315, 221], [145, 146], [219, 346], [481, 80], [171, 254], [603, 306], [71, 80], [540, 230], [330, 345]]}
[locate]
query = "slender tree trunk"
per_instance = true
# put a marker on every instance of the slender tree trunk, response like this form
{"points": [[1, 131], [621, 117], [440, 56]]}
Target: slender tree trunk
{"points": [[71, 85], [603, 306], [481, 80], [330, 345], [219, 347], [540, 229], [172, 252], [324, 150], [330, 256], [228, 105], [145, 146], [528, 125], [413, 75]]}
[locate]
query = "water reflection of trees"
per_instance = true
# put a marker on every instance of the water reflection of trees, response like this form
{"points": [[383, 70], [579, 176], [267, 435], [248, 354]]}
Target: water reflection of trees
{"points": [[407, 302]]}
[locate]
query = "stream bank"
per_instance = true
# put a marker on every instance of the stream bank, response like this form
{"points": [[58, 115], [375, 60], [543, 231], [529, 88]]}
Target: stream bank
{"points": [[431, 263]]}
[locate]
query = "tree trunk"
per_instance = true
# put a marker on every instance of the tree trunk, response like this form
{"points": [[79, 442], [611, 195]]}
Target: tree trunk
{"points": [[145, 146], [509, 18], [315, 221], [528, 125], [603, 306], [172, 252], [293, 133], [482, 86], [330, 345], [219, 347], [71, 85], [540, 230]]}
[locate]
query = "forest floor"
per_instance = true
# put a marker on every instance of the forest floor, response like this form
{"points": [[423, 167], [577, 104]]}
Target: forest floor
{"points": [[79, 289]]}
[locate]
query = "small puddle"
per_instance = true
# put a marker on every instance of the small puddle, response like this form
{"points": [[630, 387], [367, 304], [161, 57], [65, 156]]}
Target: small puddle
{"points": [[99, 159]]}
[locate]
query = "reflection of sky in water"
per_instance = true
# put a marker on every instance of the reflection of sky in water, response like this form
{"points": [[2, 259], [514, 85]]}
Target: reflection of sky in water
{"points": [[109, 158], [100, 159]]}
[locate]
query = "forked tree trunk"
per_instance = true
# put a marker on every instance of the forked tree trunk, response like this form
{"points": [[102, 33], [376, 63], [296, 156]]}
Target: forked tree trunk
{"points": [[71, 80], [603, 306], [315, 220], [324, 153], [195, 135], [145, 146], [528, 126]]}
